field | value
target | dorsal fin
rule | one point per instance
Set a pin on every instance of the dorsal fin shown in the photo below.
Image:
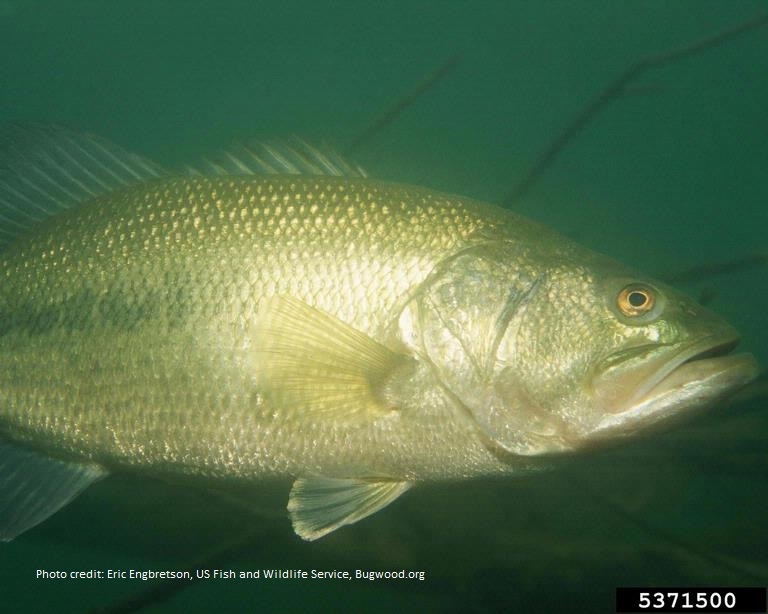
(47, 169)
(291, 157)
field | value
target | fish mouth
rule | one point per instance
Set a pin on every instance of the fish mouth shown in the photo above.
(696, 377)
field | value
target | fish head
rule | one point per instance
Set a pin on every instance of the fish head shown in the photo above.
(554, 351)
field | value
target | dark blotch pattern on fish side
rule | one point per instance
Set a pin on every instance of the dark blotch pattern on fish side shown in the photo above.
(122, 309)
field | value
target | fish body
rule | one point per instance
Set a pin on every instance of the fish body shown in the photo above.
(353, 335)
(141, 305)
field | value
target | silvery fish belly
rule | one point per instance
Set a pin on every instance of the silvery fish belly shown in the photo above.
(280, 314)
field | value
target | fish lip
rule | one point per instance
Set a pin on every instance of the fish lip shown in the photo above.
(699, 375)
(709, 346)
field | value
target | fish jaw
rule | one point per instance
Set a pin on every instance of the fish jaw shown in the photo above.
(695, 378)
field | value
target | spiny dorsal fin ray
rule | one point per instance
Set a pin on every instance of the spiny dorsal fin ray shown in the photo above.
(290, 157)
(309, 361)
(319, 505)
(45, 170)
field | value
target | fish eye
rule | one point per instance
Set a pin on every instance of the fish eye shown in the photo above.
(636, 300)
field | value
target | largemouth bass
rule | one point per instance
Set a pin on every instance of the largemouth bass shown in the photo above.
(281, 315)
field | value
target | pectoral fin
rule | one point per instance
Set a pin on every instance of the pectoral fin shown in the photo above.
(308, 360)
(319, 505)
(34, 486)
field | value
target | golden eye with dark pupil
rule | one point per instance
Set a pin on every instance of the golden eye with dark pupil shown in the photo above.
(635, 300)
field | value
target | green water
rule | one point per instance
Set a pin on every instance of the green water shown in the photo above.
(668, 178)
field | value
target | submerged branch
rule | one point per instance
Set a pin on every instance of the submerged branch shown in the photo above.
(160, 591)
(400, 105)
(617, 88)
(700, 272)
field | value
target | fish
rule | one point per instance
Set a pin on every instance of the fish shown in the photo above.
(276, 313)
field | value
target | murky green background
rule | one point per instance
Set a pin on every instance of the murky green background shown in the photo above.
(670, 177)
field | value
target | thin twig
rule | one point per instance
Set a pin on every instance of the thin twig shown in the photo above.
(388, 116)
(160, 591)
(747, 262)
(618, 88)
